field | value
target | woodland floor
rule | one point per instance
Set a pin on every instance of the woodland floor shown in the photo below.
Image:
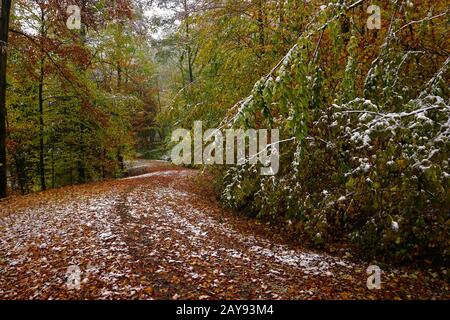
(163, 235)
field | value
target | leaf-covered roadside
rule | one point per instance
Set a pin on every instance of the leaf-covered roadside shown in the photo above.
(163, 235)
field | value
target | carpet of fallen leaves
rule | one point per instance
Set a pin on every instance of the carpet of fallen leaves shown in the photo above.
(163, 235)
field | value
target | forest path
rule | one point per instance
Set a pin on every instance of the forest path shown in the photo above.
(163, 235)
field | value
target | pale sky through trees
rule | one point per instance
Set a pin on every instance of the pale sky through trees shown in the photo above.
(159, 13)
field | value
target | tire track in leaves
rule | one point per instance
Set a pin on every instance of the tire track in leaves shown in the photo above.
(188, 253)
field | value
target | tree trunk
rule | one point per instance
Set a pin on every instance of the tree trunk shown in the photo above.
(103, 164)
(81, 163)
(120, 160)
(280, 15)
(158, 94)
(53, 169)
(119, 76)
(261, 26)
(20, 175)
(188, 45)
(41, 106)
(4, 27)
(41, 127)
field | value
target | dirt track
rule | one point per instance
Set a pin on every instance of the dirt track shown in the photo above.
(163, 235)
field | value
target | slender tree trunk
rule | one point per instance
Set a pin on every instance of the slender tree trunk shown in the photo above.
(182, 70)
(159, 94)
(103, 164)
(19, 170)
(4, 27)
(188, 45)
(81, 163)
(53, 169)
(41, 105)
(119, 76)
(119, 87)
(280, 14)
(261, 25)
(120, 160)
(41, 126)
